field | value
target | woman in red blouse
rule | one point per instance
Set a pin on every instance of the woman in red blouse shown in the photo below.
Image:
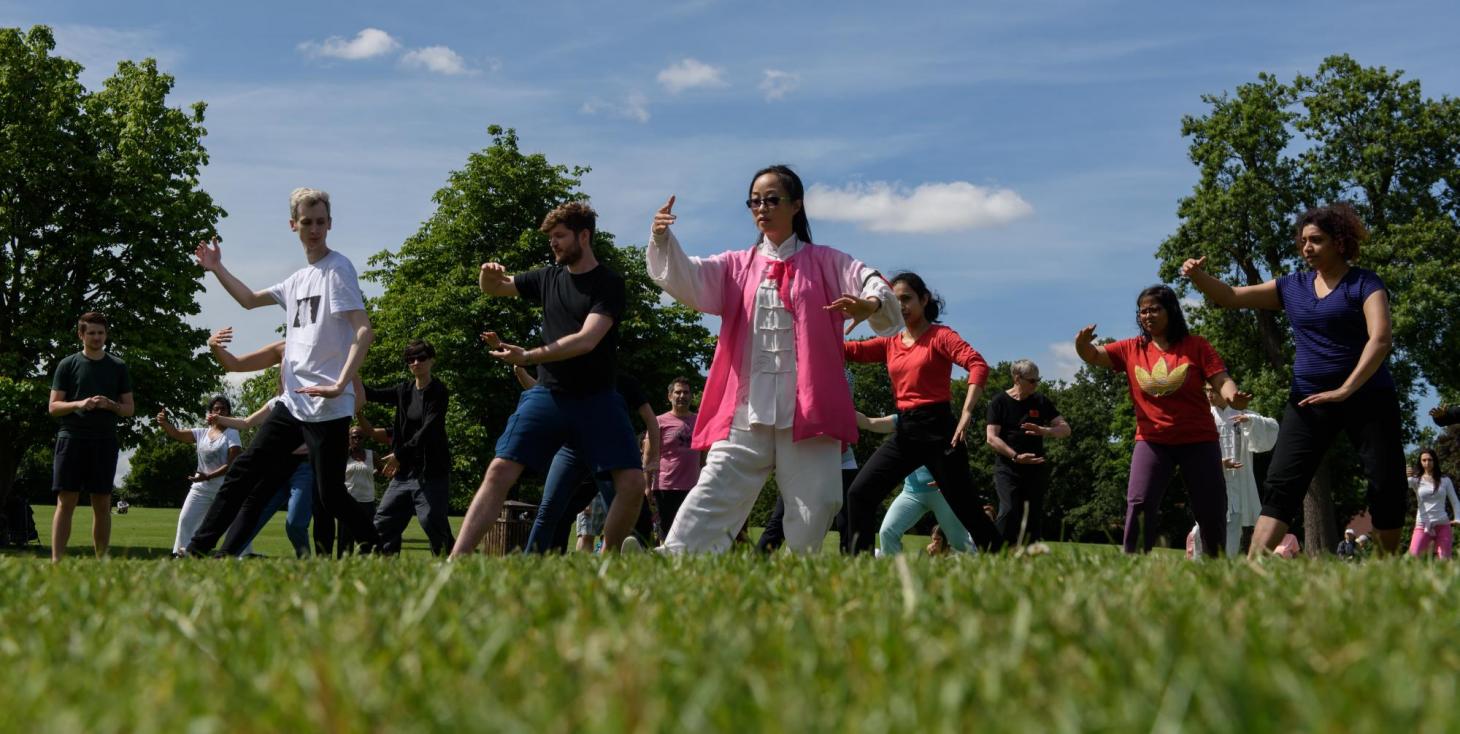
(1166, 367)
(920, 362)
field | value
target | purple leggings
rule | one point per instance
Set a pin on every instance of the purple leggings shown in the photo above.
(1151, 465)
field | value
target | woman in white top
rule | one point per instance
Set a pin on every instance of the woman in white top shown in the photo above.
(217, 448)
(1431, 525)
(360, 470)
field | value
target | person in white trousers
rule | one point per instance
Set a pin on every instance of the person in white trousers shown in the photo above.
(217, 448)
(1242, 433)
(776, 397)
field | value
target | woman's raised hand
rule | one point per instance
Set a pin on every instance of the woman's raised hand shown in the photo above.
(664, 217)
(1193, 263)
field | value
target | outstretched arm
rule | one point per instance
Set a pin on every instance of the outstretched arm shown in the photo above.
(494, 281)
(172, 431)
(254, 361)
(210, 257)
(1264, 295)
(578, 343)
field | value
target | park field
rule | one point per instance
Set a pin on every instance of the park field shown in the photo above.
(1083, 639)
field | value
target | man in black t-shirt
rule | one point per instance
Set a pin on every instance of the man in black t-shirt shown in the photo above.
(89, 391)
(1019, 419)
(574, 402)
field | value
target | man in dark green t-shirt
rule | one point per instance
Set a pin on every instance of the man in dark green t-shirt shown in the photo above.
(89, 391)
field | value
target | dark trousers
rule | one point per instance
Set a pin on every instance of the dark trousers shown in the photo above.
(1017, 487)
(257, 473)
(924, 437)
(774, 535)
(667, 502)
(1372, 423)
(427, 500)
(1151, 467)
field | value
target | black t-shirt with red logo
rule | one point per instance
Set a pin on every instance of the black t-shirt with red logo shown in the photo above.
(1009, 414)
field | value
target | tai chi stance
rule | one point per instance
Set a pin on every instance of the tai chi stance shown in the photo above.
(1339, 315)
(1242, 434)
(217, 448)
(1019, 419)
(1431, 526)
(776, 396)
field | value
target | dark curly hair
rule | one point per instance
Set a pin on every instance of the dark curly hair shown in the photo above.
(1338, 220)
(575, 215)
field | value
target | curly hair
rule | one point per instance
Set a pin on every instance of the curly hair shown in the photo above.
(575, 215)
(1338, 220)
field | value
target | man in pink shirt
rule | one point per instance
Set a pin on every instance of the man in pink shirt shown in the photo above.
(679, 463)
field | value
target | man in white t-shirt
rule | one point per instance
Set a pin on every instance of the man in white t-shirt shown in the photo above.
(326, 336)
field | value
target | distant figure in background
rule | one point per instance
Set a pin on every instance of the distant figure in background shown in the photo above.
(90, 390)
(1019, 419)
(1348, 548)
(419, 464)
(679, 464)
(217, 447)
(1242, 434)
(938, 544)
(1431, 526)
(590, 524)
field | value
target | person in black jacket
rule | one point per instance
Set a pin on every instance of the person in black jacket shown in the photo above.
(420, 465)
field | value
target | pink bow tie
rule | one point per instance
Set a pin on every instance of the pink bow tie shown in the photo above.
(782, 272)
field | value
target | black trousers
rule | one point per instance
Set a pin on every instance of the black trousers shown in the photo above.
(1372, 423)
(256, 475)
(775, 532)
(427, 500)
(924, 437)
(668, 501)
(1016, 486)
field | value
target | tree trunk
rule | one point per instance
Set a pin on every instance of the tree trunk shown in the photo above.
(1320, 527)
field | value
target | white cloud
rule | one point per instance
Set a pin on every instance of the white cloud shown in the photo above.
(776, 84)
(437, 59)
(633, 107)
(931, 207)
(1063, 362)
(366, 44)
(689, 74)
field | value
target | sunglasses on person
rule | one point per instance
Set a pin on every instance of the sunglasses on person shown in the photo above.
(1031, 380)
(416, 358)
(769, 202)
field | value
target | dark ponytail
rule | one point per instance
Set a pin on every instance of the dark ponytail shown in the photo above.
(792, 184)
(935, 304)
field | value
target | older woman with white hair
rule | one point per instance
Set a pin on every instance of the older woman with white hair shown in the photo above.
(1019, 419)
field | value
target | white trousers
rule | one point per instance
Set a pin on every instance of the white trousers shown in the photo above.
(808, 473)
(195, 508)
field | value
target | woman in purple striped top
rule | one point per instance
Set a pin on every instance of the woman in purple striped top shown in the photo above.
(1341, 382)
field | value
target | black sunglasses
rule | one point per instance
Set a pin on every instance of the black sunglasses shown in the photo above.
(769, 202)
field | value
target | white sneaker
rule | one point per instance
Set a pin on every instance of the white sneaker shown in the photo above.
(631, 545)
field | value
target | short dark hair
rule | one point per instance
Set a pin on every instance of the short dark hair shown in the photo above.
(216, 399)
(915, 282)
(1340, 221)
(575, 215)
(681, 380)
(91, 317)
(419, 348)
(1176, 328)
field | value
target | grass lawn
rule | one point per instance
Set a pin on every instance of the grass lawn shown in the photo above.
(1081, 640)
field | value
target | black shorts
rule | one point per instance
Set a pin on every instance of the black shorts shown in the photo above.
(85, 465)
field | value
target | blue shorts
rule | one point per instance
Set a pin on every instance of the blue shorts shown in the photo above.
(596, 426)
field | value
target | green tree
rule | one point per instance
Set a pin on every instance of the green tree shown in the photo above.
(160, 469)
(490, 210)
(99, 208)
(1274, 149)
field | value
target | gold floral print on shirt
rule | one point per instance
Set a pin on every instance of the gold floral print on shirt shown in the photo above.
(1159, 381)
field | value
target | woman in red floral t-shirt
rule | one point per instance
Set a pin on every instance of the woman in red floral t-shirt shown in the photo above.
(1167, 367)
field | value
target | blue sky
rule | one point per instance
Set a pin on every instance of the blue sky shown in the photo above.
(1026, 158)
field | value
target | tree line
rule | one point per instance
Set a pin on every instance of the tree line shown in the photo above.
(100, 207)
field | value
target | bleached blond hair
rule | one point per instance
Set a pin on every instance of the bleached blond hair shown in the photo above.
(302, 197)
